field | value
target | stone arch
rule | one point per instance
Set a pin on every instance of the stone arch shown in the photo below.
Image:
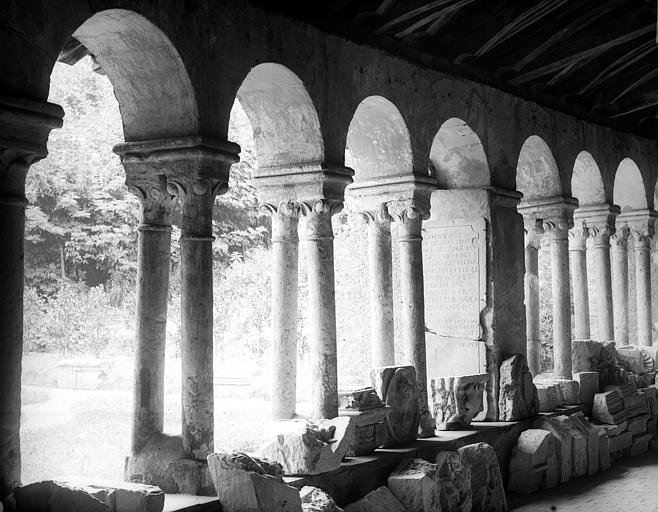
(628, 190)
(378, 141)
(586, 181)
(537, 173)
(284, 120)
(457, 157)
(155, 94)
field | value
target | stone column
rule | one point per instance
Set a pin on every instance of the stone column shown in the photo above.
(285, 290)
(319, 238)
(153, 260)
(578, 271)
(619, 256)
(380, 266)
(641, 229)
(24, 129)
(532, 245)
(409, 217)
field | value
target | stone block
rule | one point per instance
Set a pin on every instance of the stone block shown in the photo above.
(368, 414)
(591, 435)
(415, 483)
(636, 404)
(457, 400)
(379, 500)
(651, 395)
(533, 465)
(652, 426)
(518, 394)
(81, 493)
(570, 391)
(398, 388)
(249, 484)
(305, 447)
(620, 442)
(632, 359)
(486, 480)
(638, 424)
(548, 396)
(640, 444)
(455, 477)
(578, 447)
(562, 437)
(608, 407)
(604, 451)
(588, 386)
(316, 500)
(586, 355)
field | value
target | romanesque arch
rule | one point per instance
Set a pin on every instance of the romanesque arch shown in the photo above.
(586, 181)
(628, 191)
(537, 174)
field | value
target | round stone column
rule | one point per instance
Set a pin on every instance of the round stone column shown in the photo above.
(532, 245)
(601, 252)
(619, 256)
(380, 273)
(578, 271)
(285, 291)
(153, 261)
(558, 232)
(642, 250)
(319, 239)
(409, 219)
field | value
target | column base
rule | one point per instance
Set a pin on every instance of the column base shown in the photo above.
(164, 463)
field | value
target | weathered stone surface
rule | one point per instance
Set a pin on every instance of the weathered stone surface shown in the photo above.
(588, 386)
(633, 359)
(533, 465)
(569, 390)
(591, 435)
(457, 400)
(620, 442)
(455, 477)
(360, 399)
(562, 437)
(368, 413)
(578, 447)
(638, 424)
(604, 451)
(316, 500)
(640, 444)
(415, 483)
(80, 493)
(249, 484)
(608, 407)
(486, 480)
(548, 396)
(309, 448)
(398, 387)
(379, 500)
(586, 355)
(518, 394)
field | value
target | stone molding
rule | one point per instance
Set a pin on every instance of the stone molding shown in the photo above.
(555, 214)
(369, 195)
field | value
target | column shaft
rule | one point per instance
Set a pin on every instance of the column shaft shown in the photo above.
(381, 293)
(197, 320)
(285, 290)
(153, 259)
(412, 298)
(561, 304)
(532, 308)
(643, 289)
(603, 281)
(578, 271)
(619, 258)
(322, 308)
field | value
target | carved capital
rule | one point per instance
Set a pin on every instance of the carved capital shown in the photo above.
(641, 226)
(600, 234)
(599, 219)
(408, 210)
(192, 189)
(619, 240)
(157, 200)
(578, 238)
(285, 217)
(318, 216)
(533, 230)
(378, 216)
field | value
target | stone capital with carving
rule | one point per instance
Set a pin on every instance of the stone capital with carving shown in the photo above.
(599, 220)
(555, 214)
(578, 238)
(157, 199)
(318, 216)
(533, 230)
(641, 226)
(619, 240)
(284, 220)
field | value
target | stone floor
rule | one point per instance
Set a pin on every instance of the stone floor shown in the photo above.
(631, 484)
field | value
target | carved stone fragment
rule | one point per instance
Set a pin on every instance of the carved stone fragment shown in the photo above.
(548, 396)
(486, 480)
(562, 436)
(455, 479)
(398, 388)
(578, 447)
(309, 448)
(457, 400)
(588, 386)
(316, 500)
(379, 500)
(249, 484)
(533, 465)
(518, 394)
(369, 414)
(591, 435)
(415, 483)
(608, 407)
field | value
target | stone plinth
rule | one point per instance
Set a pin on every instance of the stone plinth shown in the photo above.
(415, 483)
(533, 465)
(457, 400)
(488, 492)
(398, 388)
(518, 394)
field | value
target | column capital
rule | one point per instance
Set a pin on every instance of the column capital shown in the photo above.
(505, 197)
(408, 210)
(599, 220)
(157, 199)
(318, 216)
(378, 215)
(284, 208)
(555, 214)
(640, 224)
(619, 240)
(578, 238)
(534, 230)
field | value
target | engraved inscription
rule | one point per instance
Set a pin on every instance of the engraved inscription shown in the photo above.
(454, 265)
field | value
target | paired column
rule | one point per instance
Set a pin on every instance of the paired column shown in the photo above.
(409, 218)
(532, 244)
(578, 271)
(319, 238)
(641, 228)
(285, 291)
(380, 268)
(153, 261)
(619, 256)
(600, 247)
(24, 129)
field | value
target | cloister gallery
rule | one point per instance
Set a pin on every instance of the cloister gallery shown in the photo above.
(468, 162)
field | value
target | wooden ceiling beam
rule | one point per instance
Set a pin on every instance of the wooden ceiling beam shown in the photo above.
(634, 85)
(635, 104)
(72, 52)
(409, 15)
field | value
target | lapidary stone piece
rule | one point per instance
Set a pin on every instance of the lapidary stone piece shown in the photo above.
(487, 486)
(305, 447)
(455, 477)
(562, 438)
(316, 500)
(608, 407)
(360, 399)
(245, 483)
(398, 388)
(518, 394)
(588, 386)
(415, 483)
(533, 465)
(457, 400)
(379, 500)
(578, 447)
(547, 395)
(591, 435)
(369, 414)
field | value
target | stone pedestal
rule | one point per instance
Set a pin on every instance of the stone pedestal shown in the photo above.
(619, 257)
(24, 129)
(578, 271)
(285, 291)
